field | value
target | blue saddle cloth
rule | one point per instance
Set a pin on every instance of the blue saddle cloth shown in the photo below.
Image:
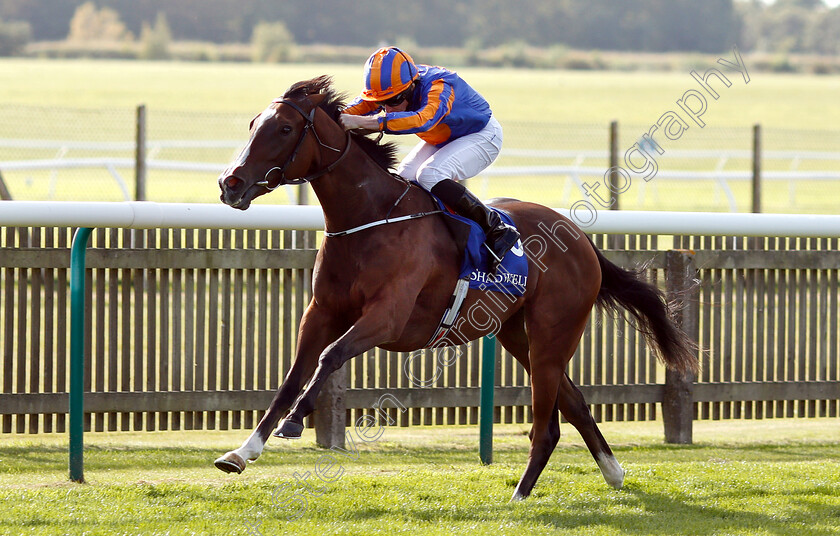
(510, 278)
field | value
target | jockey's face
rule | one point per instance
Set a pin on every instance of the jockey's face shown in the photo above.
(401, 107)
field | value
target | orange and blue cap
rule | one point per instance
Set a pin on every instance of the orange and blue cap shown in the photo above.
(388, 72)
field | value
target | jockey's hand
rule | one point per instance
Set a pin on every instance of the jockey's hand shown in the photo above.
(366, 122)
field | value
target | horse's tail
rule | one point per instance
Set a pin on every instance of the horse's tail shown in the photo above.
(629, 290)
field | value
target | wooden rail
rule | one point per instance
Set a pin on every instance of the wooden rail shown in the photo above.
(193, 329)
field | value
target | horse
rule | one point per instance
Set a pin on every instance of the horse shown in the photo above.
(388, 263)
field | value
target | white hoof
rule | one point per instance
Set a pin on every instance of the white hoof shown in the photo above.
(612, 471)
(518, 496)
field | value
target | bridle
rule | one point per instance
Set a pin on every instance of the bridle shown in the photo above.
(310, 126)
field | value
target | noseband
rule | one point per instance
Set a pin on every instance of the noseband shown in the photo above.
(310, 126)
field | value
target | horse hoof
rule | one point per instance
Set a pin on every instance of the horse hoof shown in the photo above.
(288, 430)
(617, 481)
(611, 470)
(518, 497)
(230, 463)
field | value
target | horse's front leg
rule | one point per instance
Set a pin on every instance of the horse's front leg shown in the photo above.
(317, 330)
(378, 325)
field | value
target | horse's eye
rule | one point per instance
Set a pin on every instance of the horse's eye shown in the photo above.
(286, 129)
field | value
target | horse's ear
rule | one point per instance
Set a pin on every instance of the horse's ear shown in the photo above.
(316, 99)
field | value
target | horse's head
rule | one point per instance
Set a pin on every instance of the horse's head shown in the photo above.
(282, 149)
(285, 148)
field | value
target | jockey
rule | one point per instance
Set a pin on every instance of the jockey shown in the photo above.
(459, 135)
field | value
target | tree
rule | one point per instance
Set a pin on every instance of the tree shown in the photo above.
(643, 25)
(13, 37)
(825, 36)
(92, 24)
(156, 39)
(787, 27)
(272, 42)
(805, 4)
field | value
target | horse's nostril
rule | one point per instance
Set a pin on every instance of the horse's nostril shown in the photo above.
(232, 182)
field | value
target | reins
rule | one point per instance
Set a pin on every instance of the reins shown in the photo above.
(387, 218)
(310, 126)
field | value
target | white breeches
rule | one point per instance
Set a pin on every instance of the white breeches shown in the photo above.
(457, 160)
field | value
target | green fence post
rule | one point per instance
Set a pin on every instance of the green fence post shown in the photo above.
(488, 381)
(77, 353)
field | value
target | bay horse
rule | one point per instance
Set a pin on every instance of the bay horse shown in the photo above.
(387, 285)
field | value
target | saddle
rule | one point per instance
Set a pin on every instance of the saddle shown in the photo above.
(512, 275)
(510, 278)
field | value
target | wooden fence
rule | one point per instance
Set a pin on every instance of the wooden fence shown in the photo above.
(194, 329)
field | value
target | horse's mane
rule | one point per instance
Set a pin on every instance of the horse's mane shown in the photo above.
(384, 154)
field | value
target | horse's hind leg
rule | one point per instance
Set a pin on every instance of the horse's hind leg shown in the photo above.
(570, 402)
(573, 407)
(548, 354)
(545, 432)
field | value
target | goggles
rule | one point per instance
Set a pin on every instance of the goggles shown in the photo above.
(396, 100)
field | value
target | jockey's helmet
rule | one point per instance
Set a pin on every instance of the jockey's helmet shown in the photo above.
(388, 72)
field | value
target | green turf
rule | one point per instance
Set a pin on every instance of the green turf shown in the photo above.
(781, 101)
(539, 109)
(740, 477)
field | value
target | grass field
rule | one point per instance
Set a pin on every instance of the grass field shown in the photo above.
(780, 101)
(540, 109)
(739, 478)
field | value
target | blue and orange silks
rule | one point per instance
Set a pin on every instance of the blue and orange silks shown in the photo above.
(443, 107)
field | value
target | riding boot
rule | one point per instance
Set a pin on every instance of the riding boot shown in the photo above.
(499, 236)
